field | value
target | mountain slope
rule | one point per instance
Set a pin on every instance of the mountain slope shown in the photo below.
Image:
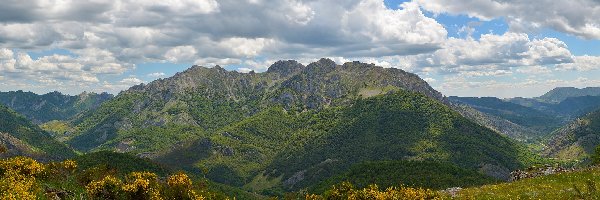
(209, 99)
(398, 126)
(576, 140)
(495, 123)
(51, 106)
(541, 122)
(279, 149)
(29, 135)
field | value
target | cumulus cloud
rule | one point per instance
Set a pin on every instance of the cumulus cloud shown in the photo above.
(577, 17)
(582, 63)
(59, 71)
(493, 55)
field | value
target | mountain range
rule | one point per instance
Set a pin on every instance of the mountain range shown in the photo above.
(295, 127)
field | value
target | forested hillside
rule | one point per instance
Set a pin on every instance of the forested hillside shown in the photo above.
(51, 106)
(22, 137)
(576, 140)
(281, 151)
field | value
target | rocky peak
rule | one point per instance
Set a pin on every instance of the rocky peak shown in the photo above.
(285, 68)
(323, 65)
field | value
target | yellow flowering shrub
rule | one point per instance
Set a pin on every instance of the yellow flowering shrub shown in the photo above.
(179, 180)
(17, 186)
(107, 188)
(19, 178)
(23, 178)
(142, 185)
(180, 187)
(59, 170)
(22, 165)
(347, 191)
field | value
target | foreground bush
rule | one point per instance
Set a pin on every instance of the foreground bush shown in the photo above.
(24, 178)
(347, 191)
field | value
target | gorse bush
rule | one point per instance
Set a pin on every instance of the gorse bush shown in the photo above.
(25, 178)
(18, 179)
(346, 191)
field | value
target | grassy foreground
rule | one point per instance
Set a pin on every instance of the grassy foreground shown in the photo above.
(583, 184)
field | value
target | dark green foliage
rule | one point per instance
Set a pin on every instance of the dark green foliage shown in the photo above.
(21, 128)
(98, 126)
(397, 126)
(120, 163)
(423, 174)
(51, 106)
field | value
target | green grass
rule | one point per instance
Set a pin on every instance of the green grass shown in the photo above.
(262, 182)
(557, 186)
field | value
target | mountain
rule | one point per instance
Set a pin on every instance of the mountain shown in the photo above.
(576, 140)
(281, 149)
(242, 129)
(561, 93)
(199, 101)
(22, 137)
(51, 106)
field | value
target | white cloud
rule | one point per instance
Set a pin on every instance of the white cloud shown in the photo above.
(582, 63)
(181, 54)
(577, 17)
(534, 70)
(157, 74)
(131, 81)
(492, 55)
(244, 70)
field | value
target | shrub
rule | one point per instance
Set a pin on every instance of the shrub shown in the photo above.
(347, 191)
(107, 188)
(142, 185)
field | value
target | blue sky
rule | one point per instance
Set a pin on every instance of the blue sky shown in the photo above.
(461, 47)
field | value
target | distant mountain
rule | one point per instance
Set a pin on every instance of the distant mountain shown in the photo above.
(533, 114)
(496, 123)
(559, 94)
(574, 107)
(291, 126)
(21, 137)
(576, 140)
(541, 122)
(51, 106)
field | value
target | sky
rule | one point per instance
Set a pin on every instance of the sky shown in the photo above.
(502, 48)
